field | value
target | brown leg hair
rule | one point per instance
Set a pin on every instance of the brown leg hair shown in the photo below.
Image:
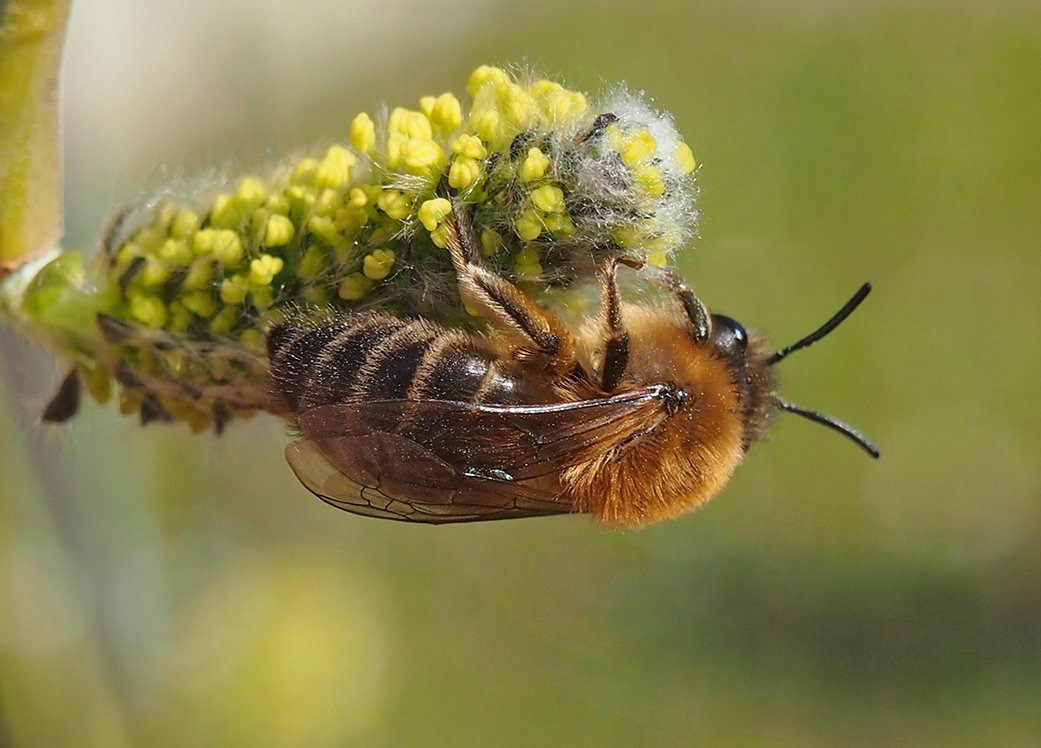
(534, 331)
(616, 339)
(696, 311)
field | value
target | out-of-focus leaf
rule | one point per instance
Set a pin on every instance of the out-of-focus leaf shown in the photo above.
(32, 33)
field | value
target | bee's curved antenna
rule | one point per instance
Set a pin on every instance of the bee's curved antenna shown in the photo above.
(824, 329)
(825, 420)
(832, 423)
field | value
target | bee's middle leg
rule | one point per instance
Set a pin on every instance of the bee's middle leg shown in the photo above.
(615, 336)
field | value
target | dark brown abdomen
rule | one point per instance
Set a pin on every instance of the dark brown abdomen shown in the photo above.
(373, 356)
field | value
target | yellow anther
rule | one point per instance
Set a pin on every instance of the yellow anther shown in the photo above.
(534, 166)
(488, 124)
(183, 224)
(176, 251)
(317, 295)
(628, 235)
(263, 269)
(227, 247)
(560, 224)
(564, 107)
(335, 169)
(657, 257)
(491, 242)
(227, 212)
(127, 253)
(233, 290)
(640, 146)
(422, 156)
(394, 203)
(98, 382)
(464, 173)
(470, 146)
(130, 401)
(252, 338)
(223, 323)
(518, 107)
(305, 172)
(154, 273)
(262, 296)
(484, 74)
(149, 310)
(301, 198)
(311, 264)
(446, 114)
(324, 227)
(526, 264)
(279, 231)
(528, 226)
(439, 236)
(353, 287)
(200, 302)
(432, 213)
(278, 203)
(357, 198)
(363, 133)
(548, 198)
(410, 124)
(348, 220)
(377, 264)
(395, 142)
(685, 156)
(250, 193)
(649, 180)
(200, 274)
(328, 202)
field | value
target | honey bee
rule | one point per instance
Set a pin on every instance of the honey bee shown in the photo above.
(639, 415)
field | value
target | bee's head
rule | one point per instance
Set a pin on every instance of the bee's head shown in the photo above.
(751, 378)
(751, 371)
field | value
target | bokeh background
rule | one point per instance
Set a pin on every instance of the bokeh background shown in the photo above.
(163, 589)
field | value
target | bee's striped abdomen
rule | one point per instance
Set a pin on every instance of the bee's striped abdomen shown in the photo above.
(375, 356)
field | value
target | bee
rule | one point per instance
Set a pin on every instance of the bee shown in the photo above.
(639, 415)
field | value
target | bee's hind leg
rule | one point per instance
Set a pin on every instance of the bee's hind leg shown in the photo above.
(532, 330)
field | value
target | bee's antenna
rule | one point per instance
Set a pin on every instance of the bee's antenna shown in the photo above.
(832, 423)
(824, 329)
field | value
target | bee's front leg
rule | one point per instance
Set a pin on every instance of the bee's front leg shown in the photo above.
(698, 315)
(532, 330)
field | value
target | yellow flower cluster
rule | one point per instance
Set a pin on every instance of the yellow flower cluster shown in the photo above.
(553, 182)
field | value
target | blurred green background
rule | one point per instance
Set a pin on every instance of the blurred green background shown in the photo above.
(162, 589)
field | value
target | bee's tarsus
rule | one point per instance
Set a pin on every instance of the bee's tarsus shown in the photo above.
(599, 124)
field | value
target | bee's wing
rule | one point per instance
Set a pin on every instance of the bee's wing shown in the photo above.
(378, 483)
(442, 461)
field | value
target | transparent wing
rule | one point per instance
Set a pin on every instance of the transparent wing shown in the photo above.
(423, 490)
(442, 461)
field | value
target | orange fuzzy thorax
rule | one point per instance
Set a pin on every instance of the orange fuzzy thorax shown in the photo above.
(689, 456)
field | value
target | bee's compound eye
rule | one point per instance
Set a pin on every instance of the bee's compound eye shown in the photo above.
(728, 336)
